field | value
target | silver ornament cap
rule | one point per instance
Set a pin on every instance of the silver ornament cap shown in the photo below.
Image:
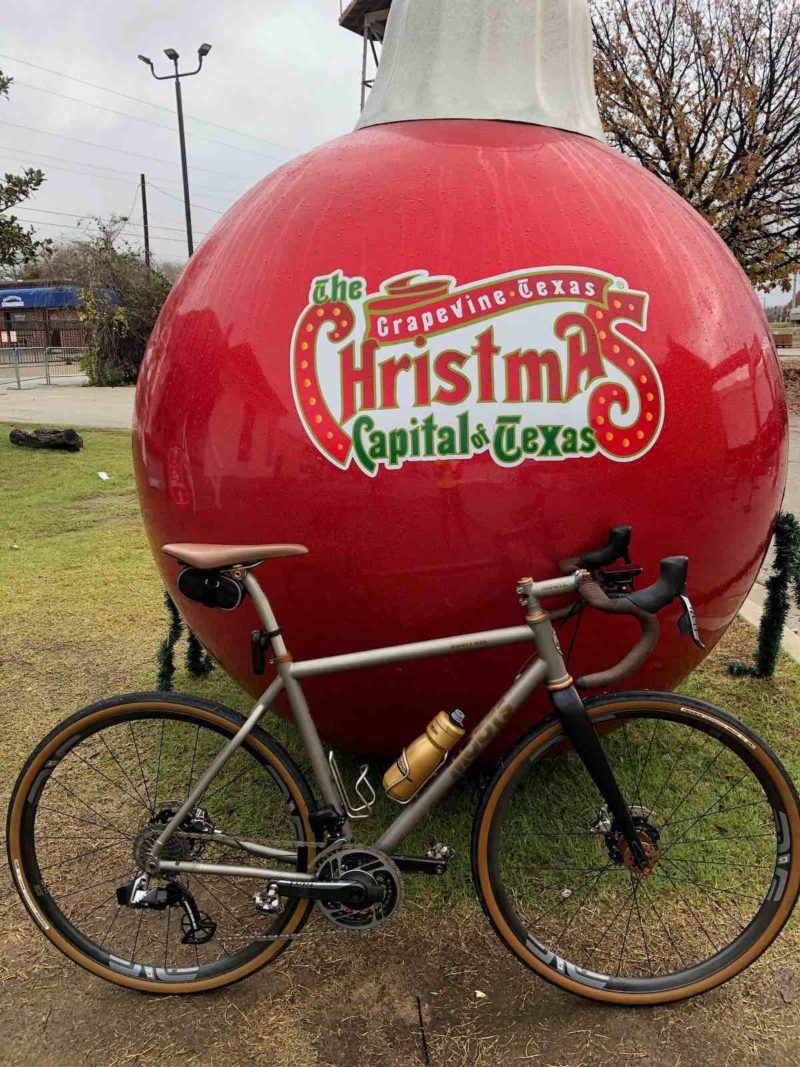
(511, 60)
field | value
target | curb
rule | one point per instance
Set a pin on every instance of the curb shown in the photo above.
(750, 611)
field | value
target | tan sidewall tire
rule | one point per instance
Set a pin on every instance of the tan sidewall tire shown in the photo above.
(208, 713)
(483, 881)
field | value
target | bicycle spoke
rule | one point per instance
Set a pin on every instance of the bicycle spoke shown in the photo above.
(636, 799)
(71, 792)
(562, 902)
(194, 759)
(80, 856)
(627, 928)
(158, 764)
(695, 902)
(141, 768)
(84, 822)
(211, 893)
(716, 903)
(689, 909)
(96, 770)
(646, 760)
(644, 935)
(607, 929)
(124, 772)
(727, 792)
(664, 927)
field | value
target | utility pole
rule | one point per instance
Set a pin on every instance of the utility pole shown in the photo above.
(173, 56)
(145, 224)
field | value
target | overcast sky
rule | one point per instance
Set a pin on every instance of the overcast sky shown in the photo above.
(281, 78)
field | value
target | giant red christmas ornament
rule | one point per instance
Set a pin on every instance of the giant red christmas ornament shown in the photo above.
(444, 353)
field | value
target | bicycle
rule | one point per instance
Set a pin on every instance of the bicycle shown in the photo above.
(636, 849)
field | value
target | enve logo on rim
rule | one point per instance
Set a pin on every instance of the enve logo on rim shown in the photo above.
(532, 365)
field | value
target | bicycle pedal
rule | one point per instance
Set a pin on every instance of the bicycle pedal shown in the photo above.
(268, 903)
(441, 853)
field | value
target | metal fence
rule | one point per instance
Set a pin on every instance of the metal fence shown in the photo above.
(49, 333)
(31, 365)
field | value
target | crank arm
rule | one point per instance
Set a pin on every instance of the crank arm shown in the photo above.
(578, 727)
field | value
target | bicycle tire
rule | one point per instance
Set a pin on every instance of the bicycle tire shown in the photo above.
(33, 889)
(609, 713)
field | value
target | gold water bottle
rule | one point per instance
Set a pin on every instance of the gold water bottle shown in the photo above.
(424, 756)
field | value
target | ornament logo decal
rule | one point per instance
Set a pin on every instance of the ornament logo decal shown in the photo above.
(534, 365)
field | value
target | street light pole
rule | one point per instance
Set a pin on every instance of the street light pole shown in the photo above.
(172, 55)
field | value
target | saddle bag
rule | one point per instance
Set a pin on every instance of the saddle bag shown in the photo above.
(212, 589)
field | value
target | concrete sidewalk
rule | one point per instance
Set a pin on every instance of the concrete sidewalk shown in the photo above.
(69, 405)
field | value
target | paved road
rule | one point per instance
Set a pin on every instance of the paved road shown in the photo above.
(69, 405)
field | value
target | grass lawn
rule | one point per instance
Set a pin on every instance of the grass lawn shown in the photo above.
(81, 617)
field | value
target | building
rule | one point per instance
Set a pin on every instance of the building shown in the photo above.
(42, 314)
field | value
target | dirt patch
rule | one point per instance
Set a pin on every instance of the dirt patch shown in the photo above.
(336, 1000)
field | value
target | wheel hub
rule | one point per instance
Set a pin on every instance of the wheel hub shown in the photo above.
(649, 835)
(179, 847)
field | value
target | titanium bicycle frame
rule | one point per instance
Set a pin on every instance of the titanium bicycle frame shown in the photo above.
(549, 668)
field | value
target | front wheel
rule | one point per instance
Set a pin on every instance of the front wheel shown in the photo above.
(717, 814)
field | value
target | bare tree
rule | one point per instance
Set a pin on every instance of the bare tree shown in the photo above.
(17, 243)
(121, 296)
(706, 95)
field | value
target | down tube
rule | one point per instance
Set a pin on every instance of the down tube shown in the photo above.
(489, 727)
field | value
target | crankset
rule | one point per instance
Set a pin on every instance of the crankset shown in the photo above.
(373, 870)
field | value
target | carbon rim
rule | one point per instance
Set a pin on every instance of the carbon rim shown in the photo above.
(97, 833)
(564, 922)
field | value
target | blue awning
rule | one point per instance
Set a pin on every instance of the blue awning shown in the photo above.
(60, 296)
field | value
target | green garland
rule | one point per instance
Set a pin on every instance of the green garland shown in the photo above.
(781, 584)
(198, 661)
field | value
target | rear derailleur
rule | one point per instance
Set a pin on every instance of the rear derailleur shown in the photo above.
(198, 927)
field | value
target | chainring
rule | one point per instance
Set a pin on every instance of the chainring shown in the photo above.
(368, 863)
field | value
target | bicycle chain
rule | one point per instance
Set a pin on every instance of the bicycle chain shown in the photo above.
(320, 846)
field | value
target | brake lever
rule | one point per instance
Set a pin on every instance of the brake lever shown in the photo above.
(687, 623)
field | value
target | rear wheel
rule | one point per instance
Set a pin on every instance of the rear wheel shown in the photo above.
(717, 814)
(95, 794)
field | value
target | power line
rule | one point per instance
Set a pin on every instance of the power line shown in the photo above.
(201, 207)
(73, 215)
(119, 151)
(71, 229)
(149, 122)
(25, 157)
(148, 103)
(129, 213)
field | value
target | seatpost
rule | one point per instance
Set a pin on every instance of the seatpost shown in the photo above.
(267, 617)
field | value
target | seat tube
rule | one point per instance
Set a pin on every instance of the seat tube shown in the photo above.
(282, 661)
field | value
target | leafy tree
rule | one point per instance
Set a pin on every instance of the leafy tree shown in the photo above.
(17, 244)
(121, 296)
(706, 95)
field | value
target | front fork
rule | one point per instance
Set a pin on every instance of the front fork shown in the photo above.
(572, 714)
